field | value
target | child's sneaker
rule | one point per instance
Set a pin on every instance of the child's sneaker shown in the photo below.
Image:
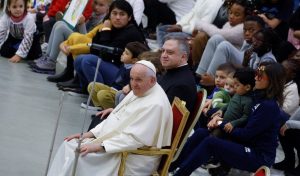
(90, 107)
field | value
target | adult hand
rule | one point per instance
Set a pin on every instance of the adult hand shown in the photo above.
(104, 113)
(15, 59)
(65, 48)
(90, 148)
(213, 123)
(174, 28)
(283, 129)
(73, 136)
(106, 24)
(77, 136)
(228, 127)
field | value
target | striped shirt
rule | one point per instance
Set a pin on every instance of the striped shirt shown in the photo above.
(23, 29)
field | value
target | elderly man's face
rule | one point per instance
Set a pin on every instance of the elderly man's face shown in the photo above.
(139, 80)
(171, 57)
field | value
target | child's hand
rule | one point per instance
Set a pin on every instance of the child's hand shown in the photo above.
(228, 127)
(126, 89)
(15, 59)
(64, 48)
(81, 19)
(218, 113)
(207, 103)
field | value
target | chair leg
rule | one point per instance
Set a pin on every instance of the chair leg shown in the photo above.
(165, 168)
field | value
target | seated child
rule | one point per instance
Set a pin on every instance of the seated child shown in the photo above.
(223, 71)
(238, 108)
(261, 50)
(103, 96)
(18, 37)
(223, 96)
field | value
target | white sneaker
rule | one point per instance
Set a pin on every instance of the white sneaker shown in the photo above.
(90, 107)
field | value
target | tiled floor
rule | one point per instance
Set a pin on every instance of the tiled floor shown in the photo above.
(28, 113)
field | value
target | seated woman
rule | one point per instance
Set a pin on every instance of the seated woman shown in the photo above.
(118, 30)
(257, 141)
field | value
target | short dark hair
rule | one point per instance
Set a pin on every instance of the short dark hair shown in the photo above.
(245, 76)
(122, 5)
(257, 19)
(227, 67)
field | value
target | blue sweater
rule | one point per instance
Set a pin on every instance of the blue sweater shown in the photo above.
(260, 133)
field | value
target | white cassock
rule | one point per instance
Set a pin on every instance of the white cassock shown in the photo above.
(136, 122)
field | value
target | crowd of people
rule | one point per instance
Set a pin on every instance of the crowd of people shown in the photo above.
(245, 53)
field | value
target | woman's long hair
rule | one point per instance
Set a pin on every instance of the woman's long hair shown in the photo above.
(276, 75)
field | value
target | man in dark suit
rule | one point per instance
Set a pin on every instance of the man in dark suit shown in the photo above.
(178, 79)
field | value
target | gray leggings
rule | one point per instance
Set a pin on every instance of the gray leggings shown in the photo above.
(60, 32)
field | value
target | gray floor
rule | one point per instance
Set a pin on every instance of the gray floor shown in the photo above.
(28, 112)
(29, 108)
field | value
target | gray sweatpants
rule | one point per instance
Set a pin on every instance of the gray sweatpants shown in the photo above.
(218, 51)
(60, 32)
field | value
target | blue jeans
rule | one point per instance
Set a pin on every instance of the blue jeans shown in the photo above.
(85, 66)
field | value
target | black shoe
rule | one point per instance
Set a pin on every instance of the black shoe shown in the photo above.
(62, 77)
(284, 165)
(66, 75)
(293, 172)
(73, 83)
(219, 171)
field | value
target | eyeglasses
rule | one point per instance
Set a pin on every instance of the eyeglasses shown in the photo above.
(260, 72)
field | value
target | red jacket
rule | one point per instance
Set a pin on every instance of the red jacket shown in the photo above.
(60, 5)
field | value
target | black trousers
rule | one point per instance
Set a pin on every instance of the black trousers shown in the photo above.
(11, 45)
(157, 13)
(47, 27)
(289, 142)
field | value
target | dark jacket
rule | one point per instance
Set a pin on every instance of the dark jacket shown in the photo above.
(260, 133)
(117, 38)
(180, 82)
